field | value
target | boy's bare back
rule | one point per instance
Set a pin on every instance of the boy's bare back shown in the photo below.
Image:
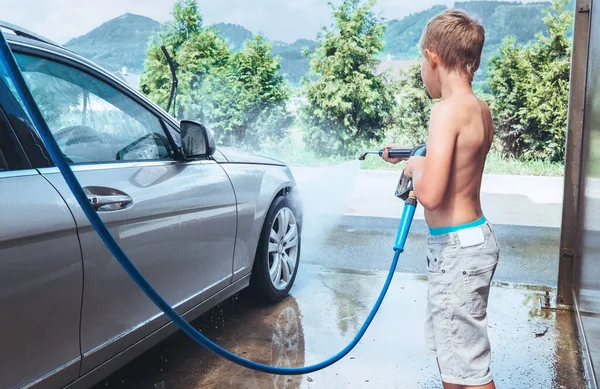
(468, 118)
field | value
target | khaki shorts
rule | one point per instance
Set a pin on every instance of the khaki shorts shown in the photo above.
(459, 287)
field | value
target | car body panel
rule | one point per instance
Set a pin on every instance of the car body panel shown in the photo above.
(239, 156)
(40, 282)
(256, 187)
(179, 232)
(151, 340)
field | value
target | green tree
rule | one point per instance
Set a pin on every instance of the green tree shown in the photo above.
(188, 22)
(348, 104)
(530, 85)
(411, 115)
(217, 104)
(204, 57)
(241, 96)
(245, 103)
(263, 92)
(155, 80)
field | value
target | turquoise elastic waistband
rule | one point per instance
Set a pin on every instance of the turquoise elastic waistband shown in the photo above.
(446, 230)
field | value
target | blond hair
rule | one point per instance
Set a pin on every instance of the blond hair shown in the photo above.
(457, 39)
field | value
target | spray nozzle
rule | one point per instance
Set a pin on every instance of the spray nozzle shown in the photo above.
(394, 153)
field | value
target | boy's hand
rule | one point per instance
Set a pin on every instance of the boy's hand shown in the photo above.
(386, 154)
(414, 166)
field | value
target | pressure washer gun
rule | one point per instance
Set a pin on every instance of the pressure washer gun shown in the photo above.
(404, 191)
(405, 184)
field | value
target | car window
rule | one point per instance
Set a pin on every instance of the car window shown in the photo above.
(3, 125)
(8, 97)
(8, 81)
(92, 121)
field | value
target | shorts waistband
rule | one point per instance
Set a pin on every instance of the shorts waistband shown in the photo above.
(434, 231)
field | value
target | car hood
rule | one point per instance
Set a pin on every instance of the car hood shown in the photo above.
(238, 156)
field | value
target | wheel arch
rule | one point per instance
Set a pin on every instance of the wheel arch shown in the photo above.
(286, 190)
(257, 187)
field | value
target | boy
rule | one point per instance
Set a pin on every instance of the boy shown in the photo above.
(462, 250)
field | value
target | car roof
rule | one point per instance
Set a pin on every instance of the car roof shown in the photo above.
(20, 31)
(18, 36)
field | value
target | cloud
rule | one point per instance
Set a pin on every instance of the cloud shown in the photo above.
(303, 4)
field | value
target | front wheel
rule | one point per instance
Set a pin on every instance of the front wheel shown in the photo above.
(278, 252)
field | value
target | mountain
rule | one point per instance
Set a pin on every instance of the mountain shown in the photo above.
(234, 34)
(402, 36)
(294, 65)
(119, 42)
(123, 41)
(499, 18)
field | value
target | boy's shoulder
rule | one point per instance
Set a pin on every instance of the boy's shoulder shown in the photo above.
(459, 109)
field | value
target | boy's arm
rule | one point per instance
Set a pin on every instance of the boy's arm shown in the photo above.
(431, 174)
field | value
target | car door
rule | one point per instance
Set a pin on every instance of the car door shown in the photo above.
(176, 224)
(40, 265)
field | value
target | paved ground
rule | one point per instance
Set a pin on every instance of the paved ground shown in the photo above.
(322, 315)
(529, 255)
(350, 227)
(352, 218)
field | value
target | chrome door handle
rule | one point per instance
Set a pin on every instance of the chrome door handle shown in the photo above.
(100, 201)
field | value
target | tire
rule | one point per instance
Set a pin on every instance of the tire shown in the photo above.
(278, 252)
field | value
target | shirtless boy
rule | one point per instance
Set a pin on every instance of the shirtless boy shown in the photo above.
(462, 249)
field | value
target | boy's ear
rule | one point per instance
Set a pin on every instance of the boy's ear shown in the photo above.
(433, 58)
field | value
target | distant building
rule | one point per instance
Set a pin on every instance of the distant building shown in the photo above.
(394, 66)
(130, 78)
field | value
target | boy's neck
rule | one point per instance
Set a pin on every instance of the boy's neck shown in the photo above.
(453, 84)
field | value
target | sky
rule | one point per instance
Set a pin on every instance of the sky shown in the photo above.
(284, 20)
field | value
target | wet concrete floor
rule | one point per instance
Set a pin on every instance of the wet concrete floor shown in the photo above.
(351, 220)
(528, 255)
(532, 347)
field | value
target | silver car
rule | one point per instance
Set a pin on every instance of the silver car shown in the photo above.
(201, 223)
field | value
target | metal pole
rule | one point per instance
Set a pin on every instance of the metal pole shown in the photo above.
(575, 127)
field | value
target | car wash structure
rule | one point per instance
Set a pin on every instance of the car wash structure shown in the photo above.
(579, 266)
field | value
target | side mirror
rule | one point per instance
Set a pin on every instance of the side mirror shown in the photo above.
(197, 140)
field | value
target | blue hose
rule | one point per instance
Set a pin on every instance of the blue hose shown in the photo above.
(58, 158)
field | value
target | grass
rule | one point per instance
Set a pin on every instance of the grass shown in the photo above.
(294, 153)
(495, 164)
